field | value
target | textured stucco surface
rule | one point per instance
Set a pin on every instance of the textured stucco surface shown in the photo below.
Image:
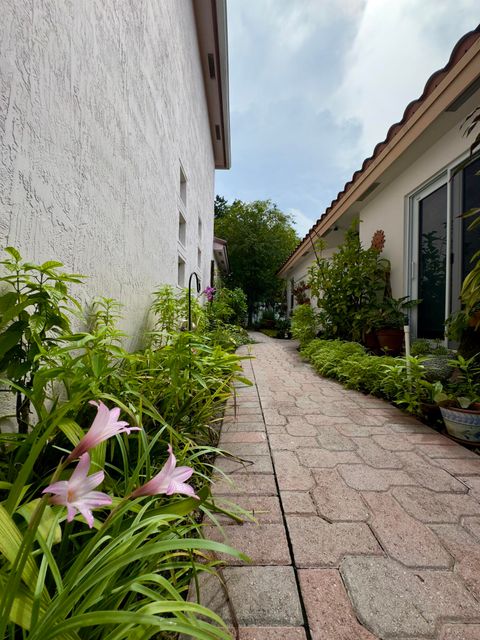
(100, 103)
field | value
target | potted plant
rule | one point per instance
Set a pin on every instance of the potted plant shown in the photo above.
(388, 320)
(461, 408)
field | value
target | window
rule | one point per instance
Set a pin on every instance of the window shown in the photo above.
(182, 229)
(199, 258)
(183, 186)
(441, 246)
(181, 272)
(199, 228)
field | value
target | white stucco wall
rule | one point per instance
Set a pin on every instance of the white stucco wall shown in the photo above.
(299, 272)
(100, 102)
(388, 208)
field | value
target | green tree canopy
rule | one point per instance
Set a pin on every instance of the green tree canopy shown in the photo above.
(260, 237)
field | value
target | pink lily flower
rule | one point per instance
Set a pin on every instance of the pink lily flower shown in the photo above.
(170, 480)
(105, 425)
(76, 494)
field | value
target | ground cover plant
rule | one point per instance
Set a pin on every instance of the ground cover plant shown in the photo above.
(104, 481)
(411, 383)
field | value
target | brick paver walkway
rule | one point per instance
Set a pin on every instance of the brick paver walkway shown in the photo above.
(368, 522)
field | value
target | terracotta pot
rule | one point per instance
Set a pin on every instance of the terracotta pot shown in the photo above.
(463, 424)
(474, 319)
(390, 340)
(370, 340)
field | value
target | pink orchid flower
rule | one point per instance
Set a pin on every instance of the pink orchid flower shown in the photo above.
(169, 480)
(105, 425)
(76, 494)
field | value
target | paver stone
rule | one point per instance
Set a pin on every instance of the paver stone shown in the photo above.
(335, 500)
(404, 538)
(260, 596)
(329, 611)
(317, 543)
(393, 601)
(264, 544)
(430, 507)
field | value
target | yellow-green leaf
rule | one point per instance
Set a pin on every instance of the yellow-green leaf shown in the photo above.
(48, 520)
(10, 542)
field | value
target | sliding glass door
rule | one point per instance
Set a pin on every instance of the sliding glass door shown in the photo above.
(441, 246)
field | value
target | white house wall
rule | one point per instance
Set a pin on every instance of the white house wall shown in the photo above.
(100, 104)
(388, 208)
(299, 272)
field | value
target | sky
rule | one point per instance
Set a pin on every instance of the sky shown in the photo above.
(316, 84)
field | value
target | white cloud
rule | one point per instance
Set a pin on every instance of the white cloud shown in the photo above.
(315, 84)
(397, 47)
(302, 222)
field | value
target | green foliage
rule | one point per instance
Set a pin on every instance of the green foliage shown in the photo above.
(170, 309)
(128, 576)
(283, 327)
(34, 310)
(424, 347)
(229, 306)
(304, 324)
(260, 237)
(229, 336)
(400, 380)
(348, 287)
(389, 313)
(464, 387)
(405, 381)
(470, 292)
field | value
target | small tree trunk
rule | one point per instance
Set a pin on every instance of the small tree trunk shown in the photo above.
(23, 413)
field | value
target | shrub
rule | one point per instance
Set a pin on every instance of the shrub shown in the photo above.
(228, 306)
(347, 287)
(304, 324)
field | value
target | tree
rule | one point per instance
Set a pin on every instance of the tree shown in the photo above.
(260, 237)
(220, 207)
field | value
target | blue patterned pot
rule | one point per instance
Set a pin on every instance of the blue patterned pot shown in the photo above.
(463, 424)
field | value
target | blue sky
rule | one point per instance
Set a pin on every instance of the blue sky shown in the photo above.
(315, 84)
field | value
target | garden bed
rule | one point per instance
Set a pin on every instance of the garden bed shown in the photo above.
(78, 563)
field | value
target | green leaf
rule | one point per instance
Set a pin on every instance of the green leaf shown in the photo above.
(14, 253)
(10, 542)
(36, 322)
(14, 311)
(21, 610)
(11, 337)
(50, 264)
(7, 301)
(72, 430)
(48, 520)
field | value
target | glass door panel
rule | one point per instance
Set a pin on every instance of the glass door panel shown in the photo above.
(432, 241)
(471, 200)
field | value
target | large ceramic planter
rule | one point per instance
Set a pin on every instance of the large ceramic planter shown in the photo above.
(390, 340)
(463, 424)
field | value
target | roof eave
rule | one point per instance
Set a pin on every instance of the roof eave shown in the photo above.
(212, 34)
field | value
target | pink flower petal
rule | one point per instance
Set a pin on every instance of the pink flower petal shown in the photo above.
(105, 425)
(76, 493)
(169, 480)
